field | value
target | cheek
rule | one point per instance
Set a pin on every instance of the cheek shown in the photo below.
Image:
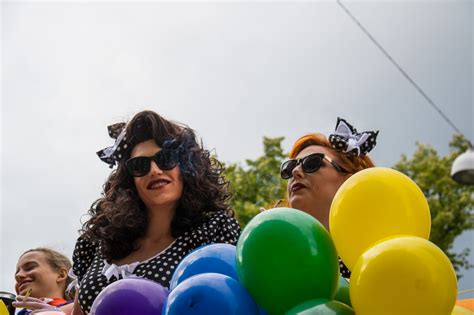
(180, 186)
(139, 185)
(136, 181)
(288, 185)
(178, 178)
(334, 187)
(316, 184)
(324, 187)
(39, 273)
(47, 276)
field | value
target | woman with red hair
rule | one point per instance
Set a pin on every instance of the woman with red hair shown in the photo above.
(318, 166)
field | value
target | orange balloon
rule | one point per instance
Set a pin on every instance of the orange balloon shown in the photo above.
(458, 310)
(466, 303)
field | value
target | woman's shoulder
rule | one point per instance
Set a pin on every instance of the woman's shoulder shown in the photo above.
(218, 227)
(217, 219)
(85, 248)
(83, 255)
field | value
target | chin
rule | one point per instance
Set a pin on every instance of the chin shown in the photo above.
(305, 208)
(297, 203)
(162, 202)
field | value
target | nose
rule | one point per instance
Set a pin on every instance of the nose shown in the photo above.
(297, 171)
(19, 276)
(154, 169)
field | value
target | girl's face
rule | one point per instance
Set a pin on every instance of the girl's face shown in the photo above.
(313, 192)
(158, 187)
(34, 272)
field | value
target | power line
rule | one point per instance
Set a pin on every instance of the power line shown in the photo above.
(405, 74)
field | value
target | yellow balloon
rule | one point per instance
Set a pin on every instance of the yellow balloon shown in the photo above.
(374, 204)
(3, 308)
(458, 310)
(403, 275)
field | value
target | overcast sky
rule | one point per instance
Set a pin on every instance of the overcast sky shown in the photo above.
(234, 72)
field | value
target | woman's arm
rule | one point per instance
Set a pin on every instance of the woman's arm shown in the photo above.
(68, 308)
(72, 308)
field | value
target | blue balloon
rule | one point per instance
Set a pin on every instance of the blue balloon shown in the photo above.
(210, 293)
(130, 296)
(216, 258)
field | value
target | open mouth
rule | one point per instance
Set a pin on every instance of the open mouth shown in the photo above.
(157, 183)
(297, 186)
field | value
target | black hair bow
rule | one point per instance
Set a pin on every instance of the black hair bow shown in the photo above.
(113, 154)
(346, 139)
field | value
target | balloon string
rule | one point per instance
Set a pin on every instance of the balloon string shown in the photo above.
(466, 291)
(274, 206)
(277, 203)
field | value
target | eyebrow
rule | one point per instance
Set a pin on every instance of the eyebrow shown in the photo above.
(145, 155)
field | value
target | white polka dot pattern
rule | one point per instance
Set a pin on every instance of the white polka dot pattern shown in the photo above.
(88, 262)
(343, 270)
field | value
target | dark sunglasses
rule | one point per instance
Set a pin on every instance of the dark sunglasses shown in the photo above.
(309, 164)
(140, 166)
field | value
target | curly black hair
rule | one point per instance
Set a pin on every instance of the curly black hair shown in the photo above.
(119, 218)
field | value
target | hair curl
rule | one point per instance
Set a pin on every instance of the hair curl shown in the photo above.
(119, 218)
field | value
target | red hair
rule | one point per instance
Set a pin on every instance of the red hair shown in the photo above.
(352, 164)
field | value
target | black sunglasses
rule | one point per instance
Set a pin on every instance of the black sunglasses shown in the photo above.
(309, 164)
(140, 166)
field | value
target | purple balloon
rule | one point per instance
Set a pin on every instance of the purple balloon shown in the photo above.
(130, 296)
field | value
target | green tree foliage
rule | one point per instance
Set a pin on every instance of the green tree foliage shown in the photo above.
(258, 184)
(451, 204)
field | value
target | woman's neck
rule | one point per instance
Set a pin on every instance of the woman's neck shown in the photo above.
(159, 223)
(157, 238)
(56, 294)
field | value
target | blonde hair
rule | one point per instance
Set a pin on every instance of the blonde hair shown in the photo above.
(56, 261)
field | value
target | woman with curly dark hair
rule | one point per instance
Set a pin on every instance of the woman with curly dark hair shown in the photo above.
(166, 198)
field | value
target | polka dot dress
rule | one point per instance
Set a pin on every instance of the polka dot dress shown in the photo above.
(88, 262)
(343, 270)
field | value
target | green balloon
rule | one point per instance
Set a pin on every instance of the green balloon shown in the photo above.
(321, 307)
(342, 292)
(286, 257)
